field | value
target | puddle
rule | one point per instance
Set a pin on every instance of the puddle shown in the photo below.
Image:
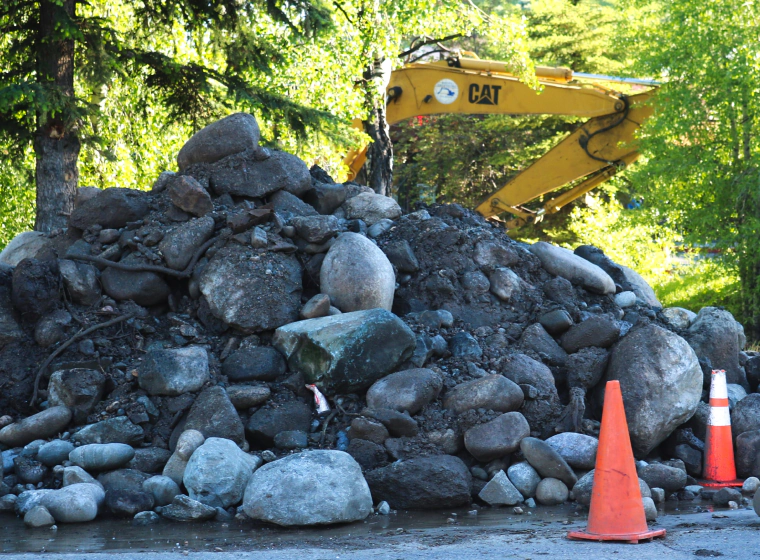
(110, 534)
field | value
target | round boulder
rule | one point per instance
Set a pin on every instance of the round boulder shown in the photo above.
(357, 275)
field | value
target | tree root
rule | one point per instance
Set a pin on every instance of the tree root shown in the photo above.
(68, 343)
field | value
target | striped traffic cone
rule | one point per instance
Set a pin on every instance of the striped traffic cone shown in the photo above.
(719, 469)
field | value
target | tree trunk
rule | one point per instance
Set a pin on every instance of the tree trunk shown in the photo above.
(56, 143)
(380, 154)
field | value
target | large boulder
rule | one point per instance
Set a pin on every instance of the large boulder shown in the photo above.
(111, 208)
(233, 134)
(246, 174)
(347, 352)
(442, 481)
(311, 488)
(357, 275)
(661, 382)
(26, 245)
(715, 335)
(218, 473)
(74, 504)
(562, 262)
(408, 390)
(250, 291)
(174, 371)
(745, 417)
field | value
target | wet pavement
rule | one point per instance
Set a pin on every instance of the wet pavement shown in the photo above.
(457, 534)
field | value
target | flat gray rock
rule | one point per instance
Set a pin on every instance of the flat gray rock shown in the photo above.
(562, 262)
(174, 371)
(407, 390)
(500, 492)
(579, 450)
(42, 425)
(547, 462)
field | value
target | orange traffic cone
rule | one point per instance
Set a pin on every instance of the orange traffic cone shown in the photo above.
(719, 469)
(617, 513)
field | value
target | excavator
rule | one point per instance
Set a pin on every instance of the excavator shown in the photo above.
(596, 151)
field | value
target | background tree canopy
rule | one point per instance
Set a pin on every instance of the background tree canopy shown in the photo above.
(146, 74)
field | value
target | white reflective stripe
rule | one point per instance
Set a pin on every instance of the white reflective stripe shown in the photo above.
(718, 388)
(719, 416)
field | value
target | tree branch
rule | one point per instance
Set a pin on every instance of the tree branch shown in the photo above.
(429, 41)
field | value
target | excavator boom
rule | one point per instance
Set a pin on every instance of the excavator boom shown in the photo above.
(594, 152)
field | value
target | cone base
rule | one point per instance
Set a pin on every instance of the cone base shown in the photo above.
(632, 538)
(720, 484)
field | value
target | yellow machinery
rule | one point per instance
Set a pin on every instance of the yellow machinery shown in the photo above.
(593, 153)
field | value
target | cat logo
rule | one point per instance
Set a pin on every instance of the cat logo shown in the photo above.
(486, 95)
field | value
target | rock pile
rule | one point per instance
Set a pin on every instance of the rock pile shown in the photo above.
(155, 356)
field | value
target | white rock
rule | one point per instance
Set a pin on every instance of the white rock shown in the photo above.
(372, 208)
(625, 299)
(24, 246)
(678, 317)
(357, 275)
(562, 262)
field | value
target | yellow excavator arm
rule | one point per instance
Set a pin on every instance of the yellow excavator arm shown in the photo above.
(596, 151)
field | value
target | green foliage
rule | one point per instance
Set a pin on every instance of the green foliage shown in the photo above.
(16, 191)
(705, 283)
(702, 172)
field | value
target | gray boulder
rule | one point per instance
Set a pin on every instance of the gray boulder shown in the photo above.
(525, 478)
(311, 488)
(357, 275)
(601, 331)
(162, 488)
(500, 492)
(542, 409)
(79, 389)
(661, 382)
(586, 367)
(144, 288)
(244, 397)
(260, 363)
(371, 208)
(551, 492)
(174, 371)
(42, 425)
(441, 481)
(492, 392)
(38, 517)
(408, 390)
(678, 317)
(25, 245)
(246, 174)
(250, 291)
(218, 473)
(81, 281)
(748, 454)
(180, 244)
(556, 322)
(497, 438)
(504, 283)
(347, 352)
(111, 208)
(74, 504)
(578, 450)
(233, 134)
(102, 456)
(326, 198)
(547, 462)
(538, 343)
(745, 417)
(316, 229)
(114, 430)
(579, 271)
(213, 415)
(657, 475)
(266, 423)
(714, 335)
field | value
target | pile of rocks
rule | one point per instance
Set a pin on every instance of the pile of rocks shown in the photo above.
(157, 358)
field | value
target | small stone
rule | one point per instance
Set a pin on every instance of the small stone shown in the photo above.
(162, 488)
(266, 423)
(492, 392)
(259, 238)
(292, 439)
(496, 438)
(383, 508)
(41, 425)
(398, 424)
(145, 518)
(409, 390)
(318, 306)
(658, 495)
(38, 517)
(174, 371)
(77, 475)
(650, 509)
(725, 495)
(54, 452)
(260, 363)
(500, 492)
(114, 430)
(244, 397)
(128, 503)
(183, 508)
(751, 485)
(362, 428)
(625, 299)
(102, 456)
(518, 510)
(525, 478)
(546, 461)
